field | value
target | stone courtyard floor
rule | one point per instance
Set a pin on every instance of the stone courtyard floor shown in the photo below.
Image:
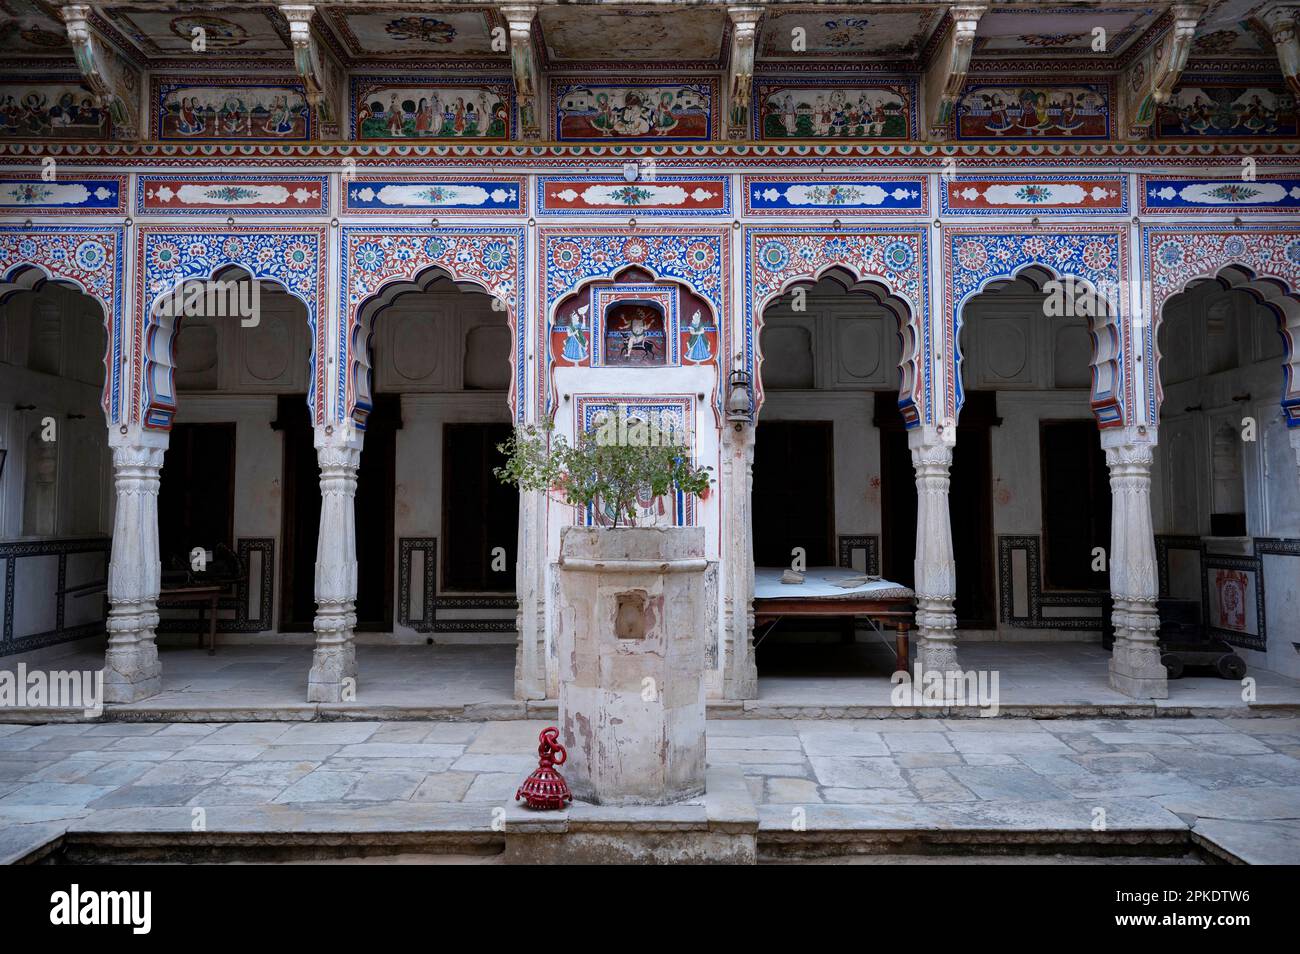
(1232, 783)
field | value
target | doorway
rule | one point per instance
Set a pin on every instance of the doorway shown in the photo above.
(480, 513)
(969, 504)
(196, 492)
(374, 516)
(794, 492)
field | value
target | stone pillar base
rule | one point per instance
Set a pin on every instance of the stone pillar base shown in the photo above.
(132, 674)
(1136, 671)
(333, 676)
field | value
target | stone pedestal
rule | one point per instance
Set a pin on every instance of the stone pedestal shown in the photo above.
(131, 667)
(632, 627)
(333, 676)
(1135, 667)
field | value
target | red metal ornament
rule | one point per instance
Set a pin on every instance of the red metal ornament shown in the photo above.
(546, 788)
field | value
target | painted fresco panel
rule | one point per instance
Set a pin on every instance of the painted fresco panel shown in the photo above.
(1040, 112)
(663, 195)
(671, 415)
(197, 109)
(414, 31)
(31, 194)
(1187, 194)
(55, 107)
(1215, 109)
(446, 195)
(672, 108)
(1031, 195)
(830, 109)
(413, 107)
(203, 194)
(835, 195)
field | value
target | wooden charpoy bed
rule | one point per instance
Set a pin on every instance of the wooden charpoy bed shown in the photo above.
(818, 596)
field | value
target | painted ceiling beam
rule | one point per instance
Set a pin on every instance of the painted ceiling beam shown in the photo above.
(523, 64)
(946, 75)
(740, 71)
(113, 82)
(1280, 18)
(321, 76)
(1165, 72)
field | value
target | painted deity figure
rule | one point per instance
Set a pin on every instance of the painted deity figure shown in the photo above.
(664, 118)
(189, 122)
(632, 118)
(279, 121)
(575, 336)
(697, 340)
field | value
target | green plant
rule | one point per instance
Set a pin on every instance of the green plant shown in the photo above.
(609, 475)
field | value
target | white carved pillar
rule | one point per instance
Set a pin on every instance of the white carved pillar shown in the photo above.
(530, 582)
(1135, 668)
(131, 668)
(333, 676)
(1295, 444)
(740, 673)
(936, 571)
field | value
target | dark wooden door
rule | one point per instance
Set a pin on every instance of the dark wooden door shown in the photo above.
(301, 516)
(196, 491)
(480, 513)
(794, 492)
(969, 504)
(1076, 504)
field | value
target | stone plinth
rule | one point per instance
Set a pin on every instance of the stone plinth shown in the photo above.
(631, 635)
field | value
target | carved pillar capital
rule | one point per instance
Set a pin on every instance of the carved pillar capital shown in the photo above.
(1280, 18)
(946, 75)
(740, 70)
(1165, 72)
(523, 65)
(113, 83)
(320, 75)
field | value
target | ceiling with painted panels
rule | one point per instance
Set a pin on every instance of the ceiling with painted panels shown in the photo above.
(372, 34)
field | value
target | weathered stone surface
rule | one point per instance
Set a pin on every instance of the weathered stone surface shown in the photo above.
(632, 624)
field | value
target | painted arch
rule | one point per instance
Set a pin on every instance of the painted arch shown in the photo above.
(167, 256)
(1262, 259)
(386, 259)
(1097, 258)
(86, 257)
(897, 258)
(571, 257)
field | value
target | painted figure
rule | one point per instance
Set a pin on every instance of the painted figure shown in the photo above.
(697, 340)
(575, 336)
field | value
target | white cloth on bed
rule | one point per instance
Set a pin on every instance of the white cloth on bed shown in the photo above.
(819, 584)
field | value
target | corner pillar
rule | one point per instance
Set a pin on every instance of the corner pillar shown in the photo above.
(936, 571)
(131, 667)
(530, 589)
(740, 672)
(333, 676)
(1135, 667)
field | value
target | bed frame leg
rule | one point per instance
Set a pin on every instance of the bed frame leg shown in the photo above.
(901, 650)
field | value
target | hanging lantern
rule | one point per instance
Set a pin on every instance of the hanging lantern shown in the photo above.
(739, 397)
(546, 788)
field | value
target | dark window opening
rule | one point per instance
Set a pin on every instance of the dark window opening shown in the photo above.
(196, 492)
(1076, 505)
(794, 492)
(479, 514)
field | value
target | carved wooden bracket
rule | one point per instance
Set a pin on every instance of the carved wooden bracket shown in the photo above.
(946, 75)
(1280, 19)
(114, 84)
(523, 63)
(321, 77)
(1165, 73)
(740, 74)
